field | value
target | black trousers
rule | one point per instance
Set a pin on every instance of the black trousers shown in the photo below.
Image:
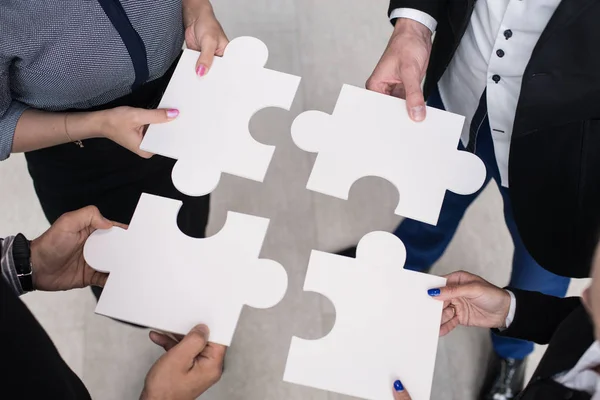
(106, 175)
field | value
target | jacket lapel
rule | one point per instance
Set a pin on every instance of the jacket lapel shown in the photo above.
(566, 13)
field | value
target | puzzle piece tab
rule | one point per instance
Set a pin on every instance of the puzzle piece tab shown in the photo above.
(211, 136)
(371, 134)
(386, 326)
(163, 279)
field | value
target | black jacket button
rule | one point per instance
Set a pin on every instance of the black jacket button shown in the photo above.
(496, 78)
(500, 53)
(508, 34)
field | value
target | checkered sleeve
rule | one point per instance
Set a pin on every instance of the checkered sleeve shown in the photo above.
(10, 112)
(9, 272)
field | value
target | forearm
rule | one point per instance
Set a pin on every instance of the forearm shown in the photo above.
(7, 264)
(38, 129)
(193, 8)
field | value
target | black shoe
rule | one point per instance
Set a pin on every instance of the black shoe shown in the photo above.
(504, 380)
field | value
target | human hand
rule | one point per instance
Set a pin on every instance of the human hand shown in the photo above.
(403, 65)
(57, 256)
(187, 369)
(203, 33)
(470, 300)
(126, 126)
(400, 393)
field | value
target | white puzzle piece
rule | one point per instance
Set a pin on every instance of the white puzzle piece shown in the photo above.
(386, 325)
(211, 134)
(163, 279)
(371, 134)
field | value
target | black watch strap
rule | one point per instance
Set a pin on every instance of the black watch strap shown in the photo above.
(22, 257)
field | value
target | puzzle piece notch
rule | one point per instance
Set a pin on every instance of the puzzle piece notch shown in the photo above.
(211, 134)
(386, 325)
(165, 280)
(370, 134)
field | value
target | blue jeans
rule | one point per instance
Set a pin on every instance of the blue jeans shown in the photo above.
(425, 243)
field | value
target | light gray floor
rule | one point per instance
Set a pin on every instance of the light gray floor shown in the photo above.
(327, 43)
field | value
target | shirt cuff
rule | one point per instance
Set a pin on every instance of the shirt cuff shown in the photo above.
(7, 264)
(8, 125)
(415, 15)
(511, 310)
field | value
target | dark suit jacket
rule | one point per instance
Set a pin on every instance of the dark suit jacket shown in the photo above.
(561, 323)
(30, 365)
(554, 165)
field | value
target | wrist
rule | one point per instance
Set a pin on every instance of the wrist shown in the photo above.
(506, 306)
(410, 26)
(192, 9)
(85, 125)
(36, 262)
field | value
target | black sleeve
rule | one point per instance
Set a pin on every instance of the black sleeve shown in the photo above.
(30, 365)
(537, 316)
(431, 7)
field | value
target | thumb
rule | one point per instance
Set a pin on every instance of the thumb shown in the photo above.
(84, 218)
(415, 102)
(158, 116)
(191, 345)
(399, 392)
(208, 49)
(451, 292)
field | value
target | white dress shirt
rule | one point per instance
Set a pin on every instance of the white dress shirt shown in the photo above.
(493, 53)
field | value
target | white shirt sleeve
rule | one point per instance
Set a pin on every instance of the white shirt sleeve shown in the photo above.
(415, 15)
(511, 310)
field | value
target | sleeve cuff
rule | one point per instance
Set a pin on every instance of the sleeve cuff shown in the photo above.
(9, 272)
(415, 15)
(8, 125)
(511, 310)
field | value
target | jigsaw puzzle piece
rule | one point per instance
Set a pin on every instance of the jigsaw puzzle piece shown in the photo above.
(371, 134)
(163, 279)
(386, 325)
(211, 135)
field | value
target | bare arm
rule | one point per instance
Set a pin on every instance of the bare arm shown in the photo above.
(38, 129)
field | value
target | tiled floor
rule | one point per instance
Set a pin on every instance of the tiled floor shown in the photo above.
(327, 43)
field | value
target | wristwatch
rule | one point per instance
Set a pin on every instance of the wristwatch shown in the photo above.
(22, 256)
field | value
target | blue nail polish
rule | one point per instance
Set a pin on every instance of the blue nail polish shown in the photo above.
(433, 292)
(398, 386)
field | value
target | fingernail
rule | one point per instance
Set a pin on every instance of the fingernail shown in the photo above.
(433, 292)
(204, 329)
(201, 70)
(398, 386)
(418, 113)
(172, 113)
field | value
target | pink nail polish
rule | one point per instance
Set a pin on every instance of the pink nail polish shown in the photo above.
(172, 113)
(201, 71)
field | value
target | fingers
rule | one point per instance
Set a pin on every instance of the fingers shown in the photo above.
(400, 393)
(98, 279)
(415, 102)
(191, 346)
(449, 326)
(448, 313)
(162, 340)
(214, 351)
(208, 48)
